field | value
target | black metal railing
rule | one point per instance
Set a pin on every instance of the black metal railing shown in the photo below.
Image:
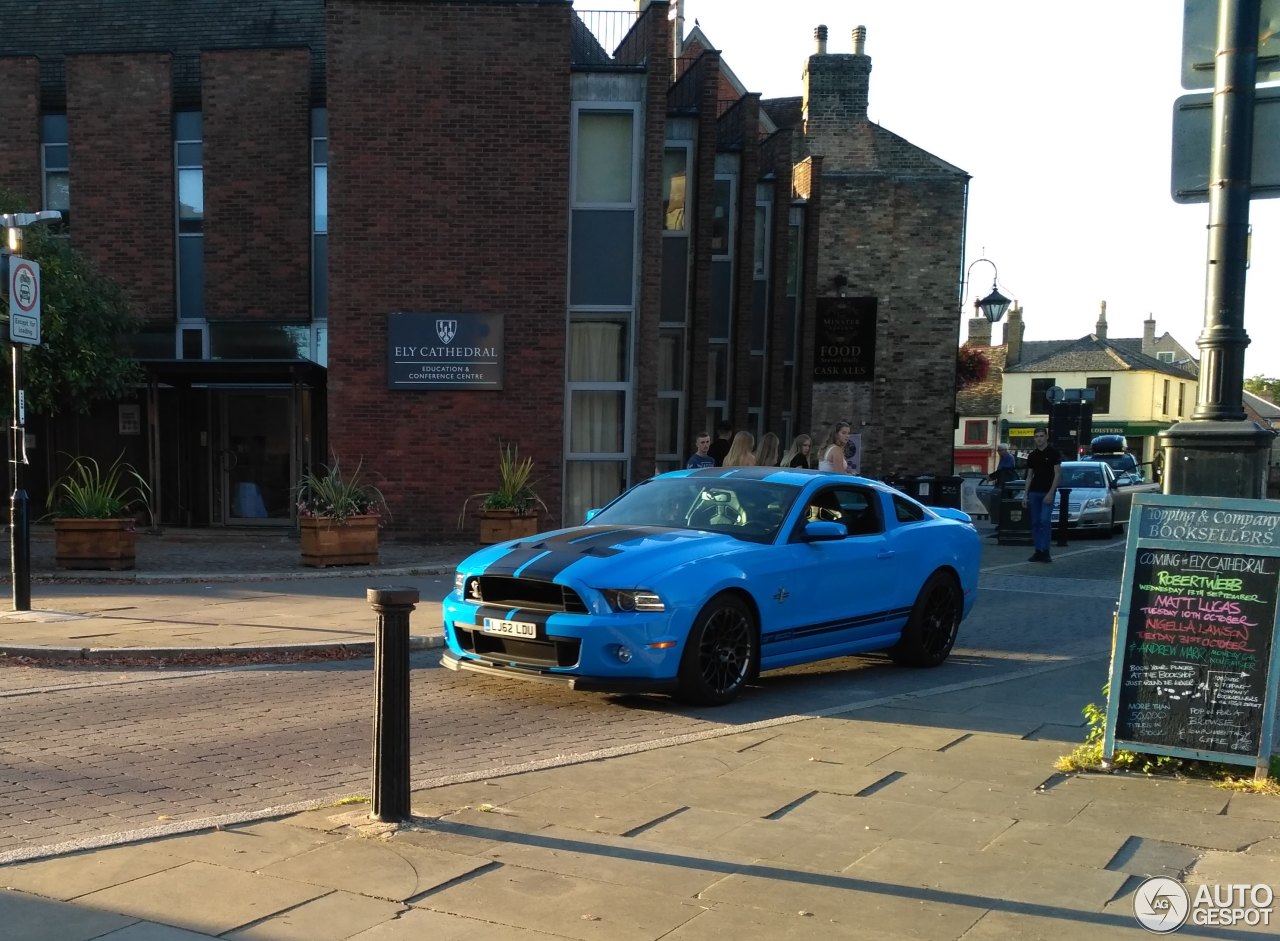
(610, 39)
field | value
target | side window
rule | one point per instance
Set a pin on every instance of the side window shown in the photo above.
(906, 511)
(855, 507)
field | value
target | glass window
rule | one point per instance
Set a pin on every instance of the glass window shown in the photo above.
(604, 158)
(675, 178)
(599, 418)
(670, 361)
(1182, 398)
(589, 485)
(55, 166)
(320, 198)
(1164, 400)
(907, 512)
(1101, 386)
(190, 200)
(722, 218)
(761, 249)
(597, 351)
(1039, 404)
(975, 432)
(1165, 356)
(668, 440)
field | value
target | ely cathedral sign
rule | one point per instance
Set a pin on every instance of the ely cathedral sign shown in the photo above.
(444, 351)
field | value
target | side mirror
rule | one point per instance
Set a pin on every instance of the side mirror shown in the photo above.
(824, 531)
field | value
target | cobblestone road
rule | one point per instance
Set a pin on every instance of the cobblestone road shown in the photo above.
(87, 754)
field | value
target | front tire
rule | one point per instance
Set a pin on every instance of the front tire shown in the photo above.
(934, 622)
(721, 654)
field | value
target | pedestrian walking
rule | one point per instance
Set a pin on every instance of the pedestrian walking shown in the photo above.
(1044, 473)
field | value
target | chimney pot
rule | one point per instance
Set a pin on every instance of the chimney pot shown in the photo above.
(859, 40)
(820, 40)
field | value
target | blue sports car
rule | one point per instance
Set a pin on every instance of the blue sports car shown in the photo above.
(694, 581)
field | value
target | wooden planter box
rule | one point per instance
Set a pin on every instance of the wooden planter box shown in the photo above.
(326, 542)
(94, 544)
(501, 525)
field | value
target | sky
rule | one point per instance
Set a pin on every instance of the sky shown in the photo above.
(1062, 114)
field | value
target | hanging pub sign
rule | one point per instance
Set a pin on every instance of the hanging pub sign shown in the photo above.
(1194, 669)
(444, 351)
(845, 340)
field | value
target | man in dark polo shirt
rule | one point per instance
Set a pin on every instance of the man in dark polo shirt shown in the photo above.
(1044, 472)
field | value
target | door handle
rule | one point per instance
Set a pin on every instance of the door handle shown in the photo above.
(886, 554)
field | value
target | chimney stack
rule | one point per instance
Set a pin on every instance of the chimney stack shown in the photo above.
(1149, 336)
(1013, 335)
(820, 40)
(859, 40)
(979, 331)
(1100, 329)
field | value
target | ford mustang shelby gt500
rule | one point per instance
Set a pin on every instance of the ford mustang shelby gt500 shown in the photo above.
(694, 581)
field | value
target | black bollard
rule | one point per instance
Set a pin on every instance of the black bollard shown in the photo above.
(391, 701)
(1063, 505)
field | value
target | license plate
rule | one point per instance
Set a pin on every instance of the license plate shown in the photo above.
(510, 628)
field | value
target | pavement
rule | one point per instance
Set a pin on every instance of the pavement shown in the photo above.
(927, 815)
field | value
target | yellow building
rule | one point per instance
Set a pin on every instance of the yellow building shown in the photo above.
(1140, 387)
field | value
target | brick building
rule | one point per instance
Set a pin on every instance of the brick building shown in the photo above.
(403, 231)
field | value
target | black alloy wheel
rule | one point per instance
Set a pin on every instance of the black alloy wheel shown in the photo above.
(931, 629)
(721, 654)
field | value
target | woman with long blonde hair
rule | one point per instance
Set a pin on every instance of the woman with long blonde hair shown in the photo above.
(767, 452)
(740, 451)
(833, 449)
(798, 454)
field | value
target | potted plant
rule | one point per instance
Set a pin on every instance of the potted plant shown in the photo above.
(510, 511)
(338, 517)
(92, 510)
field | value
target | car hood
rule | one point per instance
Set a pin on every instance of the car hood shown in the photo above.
(602, 556)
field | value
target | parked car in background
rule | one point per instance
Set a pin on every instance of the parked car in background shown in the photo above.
(694, 581)
(1113, 451)
(1100, 499)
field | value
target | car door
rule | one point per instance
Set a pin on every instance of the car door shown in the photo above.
(849, 599)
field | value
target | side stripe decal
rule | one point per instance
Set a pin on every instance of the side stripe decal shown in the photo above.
(831, 627)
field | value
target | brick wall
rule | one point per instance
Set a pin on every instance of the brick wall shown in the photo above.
(20, 141)
(449, 145)
(257, 229)
(119, 125)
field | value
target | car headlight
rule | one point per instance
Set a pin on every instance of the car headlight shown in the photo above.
(632, 599)
(1096, 503)
(458, 580)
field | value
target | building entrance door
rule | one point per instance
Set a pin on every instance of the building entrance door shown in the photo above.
(257, 461)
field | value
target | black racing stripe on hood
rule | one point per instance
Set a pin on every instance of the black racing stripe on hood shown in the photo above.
(559, 552)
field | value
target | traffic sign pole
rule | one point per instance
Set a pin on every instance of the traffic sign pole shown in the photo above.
(19, 503)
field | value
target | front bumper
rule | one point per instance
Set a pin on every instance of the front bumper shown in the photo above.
(611, 652)
(590, 684)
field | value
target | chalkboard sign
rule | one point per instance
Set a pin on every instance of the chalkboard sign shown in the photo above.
(1193, 669)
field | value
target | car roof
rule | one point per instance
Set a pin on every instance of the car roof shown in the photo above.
(795, 476)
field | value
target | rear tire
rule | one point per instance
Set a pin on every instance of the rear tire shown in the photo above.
(934, 622)
(721, 654)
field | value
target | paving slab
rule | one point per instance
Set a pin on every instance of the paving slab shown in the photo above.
(31, 918)
(860, 907)
(68, 877)
(250, 847)
(1035, 841)
(567, 906)
(333, 917)
(987, 876)
(387, 869)
(731, 922)
(201, 897)
(593, 809)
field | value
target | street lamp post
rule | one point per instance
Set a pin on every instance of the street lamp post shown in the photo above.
(994, 304)
(19, 504)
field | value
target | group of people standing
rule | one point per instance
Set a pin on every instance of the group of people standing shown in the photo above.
(730, 449)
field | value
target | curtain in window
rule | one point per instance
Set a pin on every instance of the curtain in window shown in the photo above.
(589, 485)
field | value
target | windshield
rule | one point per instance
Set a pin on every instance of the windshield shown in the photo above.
(1082, 477)
(746, 509)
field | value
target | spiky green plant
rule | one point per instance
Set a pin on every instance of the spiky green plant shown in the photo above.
(87, 491)
(330, 495)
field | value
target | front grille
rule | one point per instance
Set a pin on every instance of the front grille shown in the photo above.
(503, 591)
(534, 653)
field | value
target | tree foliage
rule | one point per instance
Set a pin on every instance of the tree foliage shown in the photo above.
(972, 367)
(1265, 387)
(84, 318)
